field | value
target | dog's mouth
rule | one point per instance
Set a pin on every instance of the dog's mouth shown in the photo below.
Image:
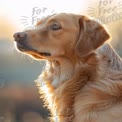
(44, 54)
(38, 55)
(29, 50)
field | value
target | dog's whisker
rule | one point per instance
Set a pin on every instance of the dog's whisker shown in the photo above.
(30, 59)
(11, 49)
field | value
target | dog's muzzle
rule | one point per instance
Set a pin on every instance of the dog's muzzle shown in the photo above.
(22, 44)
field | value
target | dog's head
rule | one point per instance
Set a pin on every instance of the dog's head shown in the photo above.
(62, 35)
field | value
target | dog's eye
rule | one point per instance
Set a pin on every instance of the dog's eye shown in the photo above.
(55, 26)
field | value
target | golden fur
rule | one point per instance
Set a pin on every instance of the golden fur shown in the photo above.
(82, 79)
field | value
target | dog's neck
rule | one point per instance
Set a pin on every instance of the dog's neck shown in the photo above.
(59, 70)
(62, 69)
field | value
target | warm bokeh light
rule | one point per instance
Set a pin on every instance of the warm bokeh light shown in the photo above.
(17, 15)
(7, 28)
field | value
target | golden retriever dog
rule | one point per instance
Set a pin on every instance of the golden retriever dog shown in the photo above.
(82, 80)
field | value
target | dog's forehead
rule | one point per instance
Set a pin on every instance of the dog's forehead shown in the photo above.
(43, 20)
(63, 17)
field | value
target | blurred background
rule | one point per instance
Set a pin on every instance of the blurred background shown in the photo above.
(19, 97)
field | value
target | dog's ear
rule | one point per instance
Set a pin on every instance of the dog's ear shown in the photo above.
(91, 35)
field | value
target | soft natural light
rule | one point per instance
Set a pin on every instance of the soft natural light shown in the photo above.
(16, 15)
(23, 14)
(17, 11)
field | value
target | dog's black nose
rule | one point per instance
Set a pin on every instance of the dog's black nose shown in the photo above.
(20, 36)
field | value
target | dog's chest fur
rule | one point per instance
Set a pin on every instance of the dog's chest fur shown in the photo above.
(62, 83)
(84, 89)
